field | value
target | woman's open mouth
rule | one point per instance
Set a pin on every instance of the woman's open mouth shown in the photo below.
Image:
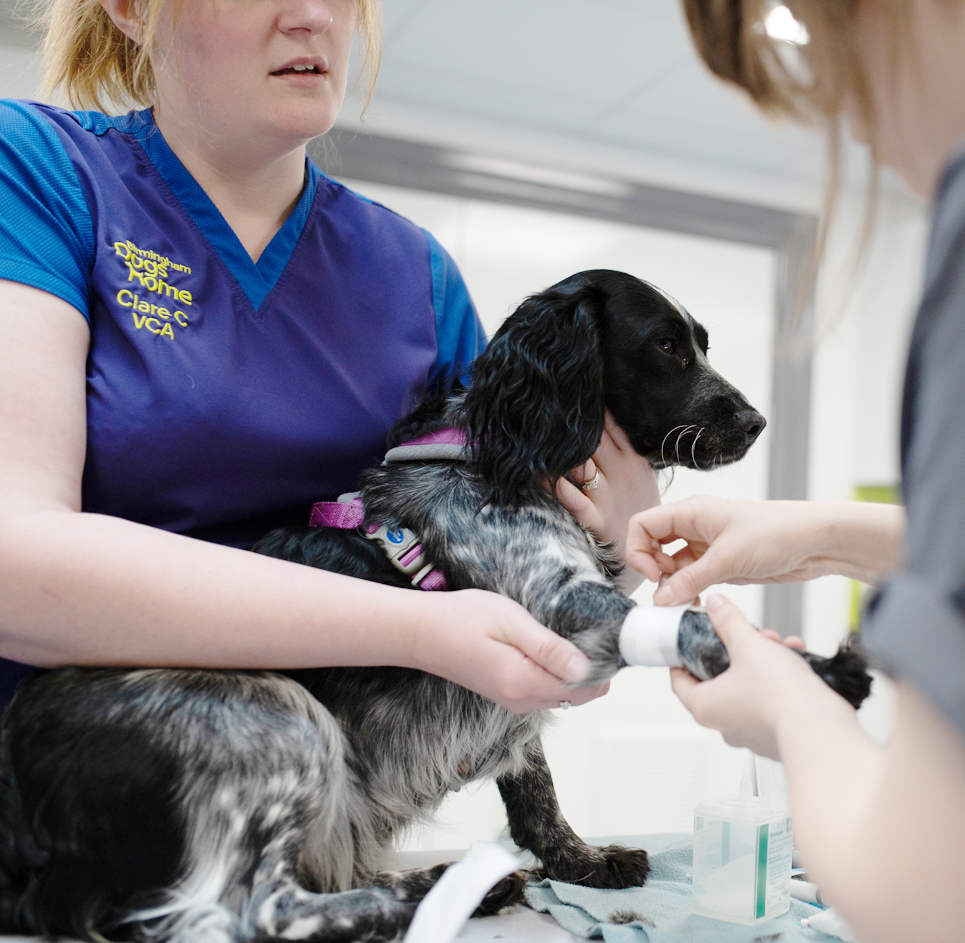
(303, 67)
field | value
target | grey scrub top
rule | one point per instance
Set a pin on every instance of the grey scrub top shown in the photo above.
(915, 625)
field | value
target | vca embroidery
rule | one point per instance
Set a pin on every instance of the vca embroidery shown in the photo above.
(149, 274)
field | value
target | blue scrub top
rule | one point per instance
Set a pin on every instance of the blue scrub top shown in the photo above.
(224, 396)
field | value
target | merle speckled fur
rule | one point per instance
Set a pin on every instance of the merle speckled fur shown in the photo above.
(212, 806)
(703, 654)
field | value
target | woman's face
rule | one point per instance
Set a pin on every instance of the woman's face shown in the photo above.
(918, 90)
(262, 68)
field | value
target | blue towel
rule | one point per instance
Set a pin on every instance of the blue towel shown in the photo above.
(659, 912)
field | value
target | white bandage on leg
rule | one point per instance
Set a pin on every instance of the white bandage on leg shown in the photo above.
(649, 636)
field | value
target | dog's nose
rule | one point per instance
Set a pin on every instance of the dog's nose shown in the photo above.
(751, 422)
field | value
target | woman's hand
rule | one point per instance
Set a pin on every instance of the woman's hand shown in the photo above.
(729, 541)
(493, 646)
(765, 686)
(627, 484)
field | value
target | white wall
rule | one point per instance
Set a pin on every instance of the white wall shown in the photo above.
(19, 71)
(858, 374)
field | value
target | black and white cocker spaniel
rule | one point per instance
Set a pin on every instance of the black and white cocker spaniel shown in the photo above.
(204, 806)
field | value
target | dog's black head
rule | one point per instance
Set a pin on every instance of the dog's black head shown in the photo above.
(595, 341)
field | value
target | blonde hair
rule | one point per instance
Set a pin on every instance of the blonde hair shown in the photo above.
(96, 66)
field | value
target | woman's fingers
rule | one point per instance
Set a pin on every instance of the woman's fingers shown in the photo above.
(551, 652)
(575, 500)
(584, 473)
(728, 621)
(684, 685)
(688, 582)
(792, 641)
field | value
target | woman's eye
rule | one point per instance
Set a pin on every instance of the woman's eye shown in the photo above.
(666, 345)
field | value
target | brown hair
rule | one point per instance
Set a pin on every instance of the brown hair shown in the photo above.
(97, 66)
(815, 82)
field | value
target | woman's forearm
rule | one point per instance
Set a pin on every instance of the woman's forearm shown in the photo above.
(93, 590)
(881, 824)
(860, 540)
(739, 541)
(89, 589)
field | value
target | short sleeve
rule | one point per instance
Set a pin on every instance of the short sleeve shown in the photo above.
(46, 232)
(459, 334)
(915, 625)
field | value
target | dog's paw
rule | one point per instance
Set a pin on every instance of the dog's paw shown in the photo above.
(510, 890)
(613, 867)
(412, 887)
(846, 673)
(409, 886)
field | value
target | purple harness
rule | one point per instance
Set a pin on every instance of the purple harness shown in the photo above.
(400, 544)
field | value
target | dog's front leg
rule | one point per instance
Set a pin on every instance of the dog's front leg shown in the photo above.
(590, 614)
(537, 824)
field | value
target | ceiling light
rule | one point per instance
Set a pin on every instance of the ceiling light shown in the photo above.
(780, 24)
(542, 176)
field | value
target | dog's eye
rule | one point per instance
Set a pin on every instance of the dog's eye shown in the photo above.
(666, 345)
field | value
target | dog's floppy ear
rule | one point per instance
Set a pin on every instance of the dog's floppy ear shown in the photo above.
(535, 409)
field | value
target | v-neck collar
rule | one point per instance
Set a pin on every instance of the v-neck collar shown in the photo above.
(256, 279)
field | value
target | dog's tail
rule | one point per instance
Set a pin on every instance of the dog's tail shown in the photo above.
(35, 897)
(69, 837)
(16, 847)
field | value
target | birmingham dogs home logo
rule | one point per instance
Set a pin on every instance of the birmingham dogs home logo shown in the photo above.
(148, 274)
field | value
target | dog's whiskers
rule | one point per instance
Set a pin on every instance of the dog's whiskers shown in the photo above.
(693, 447)
(679, 437)
(663, 458)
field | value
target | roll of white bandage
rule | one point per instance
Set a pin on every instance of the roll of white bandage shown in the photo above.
(649, 636)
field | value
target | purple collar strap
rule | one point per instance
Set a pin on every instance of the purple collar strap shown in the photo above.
(442, 445)
(401, 545)
(345, 513)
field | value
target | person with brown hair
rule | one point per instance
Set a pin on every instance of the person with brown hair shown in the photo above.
(882, 828)
(203, 334)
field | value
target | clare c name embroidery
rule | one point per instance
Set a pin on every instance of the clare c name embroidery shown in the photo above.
(148, 274)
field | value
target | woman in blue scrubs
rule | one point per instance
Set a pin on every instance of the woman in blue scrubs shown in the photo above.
(203, 334)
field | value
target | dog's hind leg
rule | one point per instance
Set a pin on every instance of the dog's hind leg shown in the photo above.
(418, 882)
(537, 824)
(279, 908)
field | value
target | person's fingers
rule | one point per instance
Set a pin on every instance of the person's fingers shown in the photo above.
(551, 652)
(684, 685)
(728, 621)
(584, 473)
(685, 584)
(792, 641)
(574, 500)
(583, 695)
(651, 562)
(658, 523)
(644, 549)
(613, 442)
